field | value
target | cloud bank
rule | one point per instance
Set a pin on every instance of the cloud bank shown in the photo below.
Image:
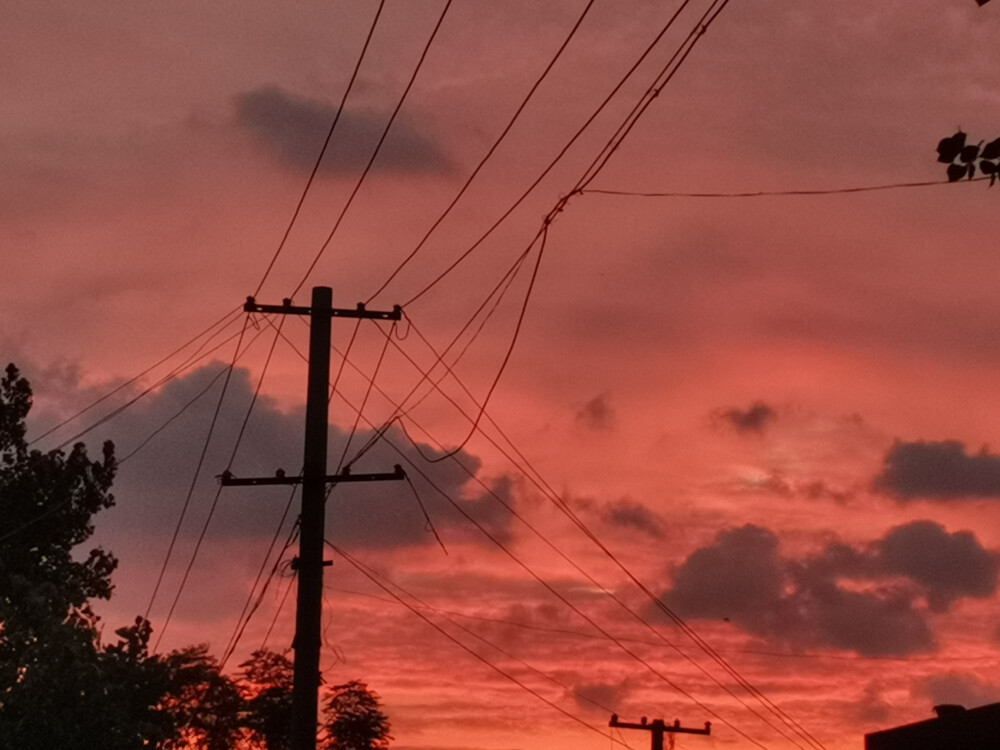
(873, 600)
(938, 471)
(751, 420)
(294, 129)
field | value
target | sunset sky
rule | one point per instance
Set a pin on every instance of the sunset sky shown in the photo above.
(774, 416)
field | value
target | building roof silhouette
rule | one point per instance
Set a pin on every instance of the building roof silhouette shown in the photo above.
(955, 726)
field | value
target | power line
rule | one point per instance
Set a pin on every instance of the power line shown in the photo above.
(548, 587)
(562, 152)
(281, 605)
(779, 193)
(667, 73)
(322, 152)
(218, 491)
(162, 381)
(769, 705)
(368, 390)
(197, 473)
(176, 415)
(498, 291)
(248, 610)
(364, 571)
(378, 147)
(489, 153)
(547, 541)
(507, 354)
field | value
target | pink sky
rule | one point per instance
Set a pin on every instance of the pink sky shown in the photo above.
(778, 413)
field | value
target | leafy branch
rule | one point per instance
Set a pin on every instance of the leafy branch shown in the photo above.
(962, 158)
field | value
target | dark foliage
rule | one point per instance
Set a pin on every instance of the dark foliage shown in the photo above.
(963, 158)
(354, 719)
(266, 682)
(49, 660)
(61, 688)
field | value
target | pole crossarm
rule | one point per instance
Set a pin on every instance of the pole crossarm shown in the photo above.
(287, 308)
(226, 478)
(659, 728)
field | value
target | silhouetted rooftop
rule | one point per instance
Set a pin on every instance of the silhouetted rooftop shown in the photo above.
(955, 726)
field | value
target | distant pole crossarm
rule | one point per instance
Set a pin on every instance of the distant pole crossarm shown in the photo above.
(659, 728)
(226, 479)
(287, 308)
(314, 479)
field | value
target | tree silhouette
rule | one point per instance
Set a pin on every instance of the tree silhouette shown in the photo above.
(266, 684)
(354, 719)
(59, 686)
(49, 661)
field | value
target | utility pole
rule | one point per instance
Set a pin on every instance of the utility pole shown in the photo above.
(658, 727)
(309, 564)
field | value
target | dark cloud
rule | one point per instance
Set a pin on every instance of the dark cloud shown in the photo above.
(600, 696)
(754, 419)
(865, 599)
(598, 413)
(881, 623)
(948, 566)
(739, 577)
(295, 129)
(153, 483)
(631, 515)
(957, 688)
(938, 470)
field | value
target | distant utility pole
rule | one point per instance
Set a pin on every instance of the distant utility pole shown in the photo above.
(659, 728)
(314, 479)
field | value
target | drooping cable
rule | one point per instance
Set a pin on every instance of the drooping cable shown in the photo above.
(429, 524)
(548, 491)
(558, 157)
(292, 580)
(326, 144)
(220, 323)
(499, 670)
(489, 153)
(769, 705)
(197, 474)
(667, 74)
(218, 493)
(779, 193)
(506, 357)
(249, 609)
(498, 290)
(378, 148)
(174, 373)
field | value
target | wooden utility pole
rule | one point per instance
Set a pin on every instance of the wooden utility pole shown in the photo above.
(659, 728)
(309, 564)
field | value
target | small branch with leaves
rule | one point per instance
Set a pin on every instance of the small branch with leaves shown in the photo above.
(962, 158)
